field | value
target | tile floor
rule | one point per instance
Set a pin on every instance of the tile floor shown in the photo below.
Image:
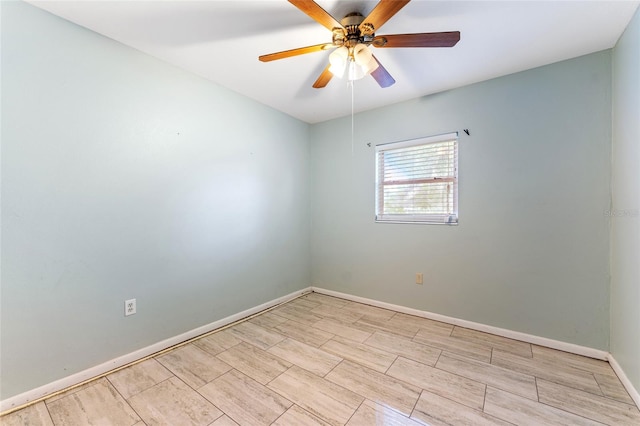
(320, 360)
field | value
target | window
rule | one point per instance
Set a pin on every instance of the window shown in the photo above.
(417, 180)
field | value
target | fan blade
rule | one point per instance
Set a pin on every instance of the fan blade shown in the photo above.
(317, 13)
(324, 78)
(382, 76)
(382, 13)
(295, 52)
(444, 39)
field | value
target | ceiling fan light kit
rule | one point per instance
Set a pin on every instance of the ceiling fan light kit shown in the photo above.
(352, 38)
(354, 62)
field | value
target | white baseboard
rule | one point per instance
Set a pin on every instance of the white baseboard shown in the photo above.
(10, 404)
(633, 392)
(42, 392)
(516, 335)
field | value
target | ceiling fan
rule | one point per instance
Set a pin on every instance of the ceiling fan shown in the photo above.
(352, 37)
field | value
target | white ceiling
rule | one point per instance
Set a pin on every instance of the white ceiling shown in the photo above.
(221, 41)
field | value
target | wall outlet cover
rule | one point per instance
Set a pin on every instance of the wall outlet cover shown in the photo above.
(129, 307)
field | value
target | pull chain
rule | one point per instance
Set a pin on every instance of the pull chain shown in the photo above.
(352, 120)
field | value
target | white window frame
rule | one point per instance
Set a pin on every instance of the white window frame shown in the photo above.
(450, 218)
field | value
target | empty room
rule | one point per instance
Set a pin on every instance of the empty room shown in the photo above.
(330, 212)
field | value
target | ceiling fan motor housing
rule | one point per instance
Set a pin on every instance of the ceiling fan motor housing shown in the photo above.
(352, 34)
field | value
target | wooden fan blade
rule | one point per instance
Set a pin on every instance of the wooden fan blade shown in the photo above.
(295, 52)
(324, 78)
(444, 39)
(382, 76)
(382, 13)
(317, 13)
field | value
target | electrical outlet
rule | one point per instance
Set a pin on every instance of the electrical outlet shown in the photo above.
(129, 307)
(419, 279)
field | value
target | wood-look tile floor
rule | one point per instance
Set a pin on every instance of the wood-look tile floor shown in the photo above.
(320, 360)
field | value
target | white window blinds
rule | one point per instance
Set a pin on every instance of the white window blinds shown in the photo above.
(417, 180)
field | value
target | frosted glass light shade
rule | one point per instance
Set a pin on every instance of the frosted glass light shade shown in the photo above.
(339, 59)
(355, 67)
(364, 58)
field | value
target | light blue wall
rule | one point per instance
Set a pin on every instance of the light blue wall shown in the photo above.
(124, 177)
(531, 252)
(625, 224)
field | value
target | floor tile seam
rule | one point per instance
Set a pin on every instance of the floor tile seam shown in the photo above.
(416, 403)
(173, 376)
(276, 378)
(75, 389)
(385, 373)
(308, 343)
(494, 415)
(375, 348)
(485, 383)
(567, 385)
(558, 408)
(369, 368)
(486, 391)
(336, 366)
(452, 400)
(610, 399)
(197, 391)
(178, 377)
(281, 414)
(286, 319)
(356, 360)
(480, 345)
(344, 361)
(392, 362)
(484, 396)
(422, 389)
(490, 346)
(268, 386)
(318, 328)
(543, 363)
(510, 353)
(502, 339)
(452, 352)
(126, 401)
(319, 348)
(615, 399)
(565, 369)
(410, 356)
(452, 330)
(216, 354)
(633, 406)
(355, 411)
(295, 405)
(253, 378)
(561, 409)
(365, 398)
(263, 385)
(586, 370)
(472, 360)
(46, 407)
(585, 367)
(602, 394)
(538, 375)
(476, 380)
